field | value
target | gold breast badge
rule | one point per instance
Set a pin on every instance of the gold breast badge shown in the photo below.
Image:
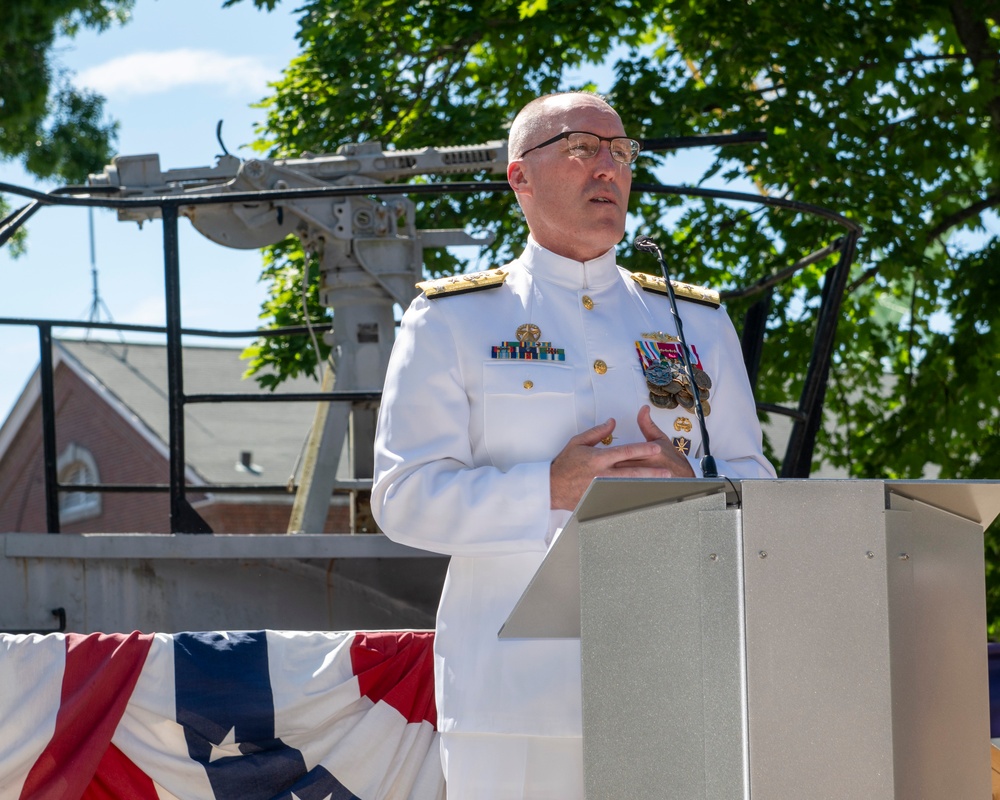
(683, 445)
(659, 336)
(528, 333)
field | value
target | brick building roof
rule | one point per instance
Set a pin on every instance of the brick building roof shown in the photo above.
(132, 378)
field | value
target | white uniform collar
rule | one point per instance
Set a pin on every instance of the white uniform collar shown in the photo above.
(566, 272)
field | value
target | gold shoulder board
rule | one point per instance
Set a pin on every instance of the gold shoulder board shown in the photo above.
(460, 284)
(685, 291)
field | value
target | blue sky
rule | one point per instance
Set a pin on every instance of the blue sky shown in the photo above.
(169, 75)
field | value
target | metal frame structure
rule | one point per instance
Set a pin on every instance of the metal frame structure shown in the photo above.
(184, 519)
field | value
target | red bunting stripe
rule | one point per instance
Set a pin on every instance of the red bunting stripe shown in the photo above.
(101, 672)
(397, 668)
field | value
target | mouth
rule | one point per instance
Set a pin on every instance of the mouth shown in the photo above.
(605, 200)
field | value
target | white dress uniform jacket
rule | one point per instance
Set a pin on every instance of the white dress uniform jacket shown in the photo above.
(465, 441)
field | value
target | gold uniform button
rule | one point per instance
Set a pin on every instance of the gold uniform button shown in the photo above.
(600, 367)
(607, 439)
(587, 302)
(529, 384)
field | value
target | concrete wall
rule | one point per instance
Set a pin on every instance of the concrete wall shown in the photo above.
(170, 583)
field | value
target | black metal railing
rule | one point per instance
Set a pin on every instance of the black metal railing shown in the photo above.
(189, 520)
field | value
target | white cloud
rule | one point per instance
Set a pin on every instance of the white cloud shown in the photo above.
(145, 311)
(153, 72)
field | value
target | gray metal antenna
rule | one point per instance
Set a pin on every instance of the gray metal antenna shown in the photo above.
(96, 301)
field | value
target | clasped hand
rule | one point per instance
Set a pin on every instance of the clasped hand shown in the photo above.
(580, 461)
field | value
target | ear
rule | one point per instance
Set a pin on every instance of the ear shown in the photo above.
(517, 178)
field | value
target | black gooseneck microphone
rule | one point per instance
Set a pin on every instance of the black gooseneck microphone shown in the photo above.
(646, 245)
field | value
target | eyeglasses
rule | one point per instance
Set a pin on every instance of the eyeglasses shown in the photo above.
(583, 144)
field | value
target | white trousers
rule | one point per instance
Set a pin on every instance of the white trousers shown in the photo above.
(498, 767)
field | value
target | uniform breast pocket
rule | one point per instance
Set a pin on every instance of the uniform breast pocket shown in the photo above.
(529, 409)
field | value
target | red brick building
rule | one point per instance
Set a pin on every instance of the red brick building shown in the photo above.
(112, 427)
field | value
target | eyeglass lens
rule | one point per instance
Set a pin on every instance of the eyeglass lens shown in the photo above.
(586, 145)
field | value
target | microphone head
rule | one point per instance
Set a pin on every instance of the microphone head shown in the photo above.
(645, 244)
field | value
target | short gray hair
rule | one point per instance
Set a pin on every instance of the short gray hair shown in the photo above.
(531, 123)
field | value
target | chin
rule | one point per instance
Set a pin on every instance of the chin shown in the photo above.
(604, 236)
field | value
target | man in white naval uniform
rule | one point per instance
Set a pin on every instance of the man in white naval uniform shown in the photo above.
(506, 394)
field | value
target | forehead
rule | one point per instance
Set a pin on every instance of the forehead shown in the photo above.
(581, 113)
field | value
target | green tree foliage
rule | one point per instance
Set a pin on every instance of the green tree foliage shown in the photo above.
(887, 111)
(57, 130)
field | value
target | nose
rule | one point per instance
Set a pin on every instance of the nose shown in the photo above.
(605, 167)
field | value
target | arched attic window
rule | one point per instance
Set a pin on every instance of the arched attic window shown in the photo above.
(76, 465)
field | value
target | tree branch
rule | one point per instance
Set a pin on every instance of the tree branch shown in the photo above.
(962, 215)
(852, 72)
(774, 87)
(974, 33)
(938, 230)
(863, 278)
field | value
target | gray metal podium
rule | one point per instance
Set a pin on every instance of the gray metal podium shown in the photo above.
(774, 639)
